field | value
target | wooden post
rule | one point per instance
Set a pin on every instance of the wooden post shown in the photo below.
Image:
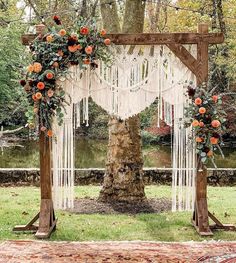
(46, 216)
(47, 222)
(201, 214)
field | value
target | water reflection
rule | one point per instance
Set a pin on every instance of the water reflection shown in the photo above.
(92, 153)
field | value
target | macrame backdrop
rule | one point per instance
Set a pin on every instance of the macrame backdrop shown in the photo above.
(137, 76)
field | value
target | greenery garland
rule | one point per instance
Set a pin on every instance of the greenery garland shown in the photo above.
(53, 54)
(207, 117)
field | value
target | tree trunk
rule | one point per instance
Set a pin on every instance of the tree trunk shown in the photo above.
(123, 179)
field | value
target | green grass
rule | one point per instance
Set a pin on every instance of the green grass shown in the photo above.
(19, 204)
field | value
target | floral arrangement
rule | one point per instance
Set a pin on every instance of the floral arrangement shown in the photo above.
(207, 118)
(53, 53)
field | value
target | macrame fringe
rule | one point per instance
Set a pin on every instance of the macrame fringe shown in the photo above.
(137, 77)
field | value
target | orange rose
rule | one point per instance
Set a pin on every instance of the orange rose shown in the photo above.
(215, 98)
(30, 68)
(55, 65)
(49, 38)
(201, 124)
(88, 49)
(34, 97)
(38, 95)
(210, 154)
(195, 123)
(86, 61)
(50, 93)
(107, 41)
(103, 32)
(72, 49)
(60, 53)
(215, 124)
(198, 101)
(202, 110)
(37, 67)
(40, 85)
(213, 140)
(62, 32)
(84, 30)
(49, 133)
(79, 47)
(49, 75)
(199, 139)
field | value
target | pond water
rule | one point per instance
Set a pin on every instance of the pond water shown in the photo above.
(92, 154)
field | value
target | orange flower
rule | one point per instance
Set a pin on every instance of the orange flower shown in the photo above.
(72, 49)
(38, 95)
(40, 85)
(195, 123)
(50, 93)
(37, 67)
(198, 101)
(210, 154)
(215, 124)
(103, 32)
(86, 61)
(43, 129)
(49, 38)
(49, 75)
(30, 68)
(88, 49)
(201, 124)
(84, 30)
(202, 110)
(34, 97)
(79, 47)
(199, 139)
(107, 41)
(55, 65)
(49, 133)
(60, 53)
(213, 140)
(62, 32)
(74, 36)
(215, 98)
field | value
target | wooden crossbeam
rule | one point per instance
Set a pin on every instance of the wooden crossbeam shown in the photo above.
(153, 39)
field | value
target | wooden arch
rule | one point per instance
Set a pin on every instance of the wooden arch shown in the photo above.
(199, 67)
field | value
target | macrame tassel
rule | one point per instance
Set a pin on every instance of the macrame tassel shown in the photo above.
(63, 155)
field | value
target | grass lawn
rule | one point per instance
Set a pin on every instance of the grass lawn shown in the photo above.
(19, 204)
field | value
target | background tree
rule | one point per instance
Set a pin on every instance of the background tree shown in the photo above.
(124, 176)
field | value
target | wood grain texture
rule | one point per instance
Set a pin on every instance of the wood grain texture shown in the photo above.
(152, 39)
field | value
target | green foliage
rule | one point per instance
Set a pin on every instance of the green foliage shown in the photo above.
(12, 59)
(206, 116)
(53, 54)
(149, 138)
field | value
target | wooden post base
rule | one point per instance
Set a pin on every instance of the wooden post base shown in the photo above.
(47, 221)
(216, 226)
(28, 227)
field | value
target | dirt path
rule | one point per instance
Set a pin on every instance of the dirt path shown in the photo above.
(118, 252)
(91, 206)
